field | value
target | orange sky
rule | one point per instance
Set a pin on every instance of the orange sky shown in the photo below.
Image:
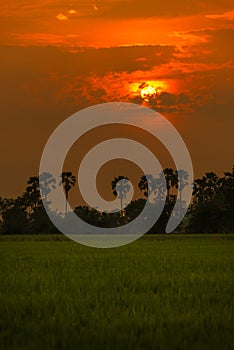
(58, 57)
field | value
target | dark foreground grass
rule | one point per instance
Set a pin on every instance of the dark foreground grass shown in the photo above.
(161, 292)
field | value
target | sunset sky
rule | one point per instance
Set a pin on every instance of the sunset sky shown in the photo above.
(58, 57)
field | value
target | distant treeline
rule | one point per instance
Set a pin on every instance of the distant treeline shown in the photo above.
(211, 209)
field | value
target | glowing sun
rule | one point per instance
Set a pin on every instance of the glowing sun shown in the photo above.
(148, 92)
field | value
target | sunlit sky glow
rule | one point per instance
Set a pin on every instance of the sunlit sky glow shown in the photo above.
(58, 57)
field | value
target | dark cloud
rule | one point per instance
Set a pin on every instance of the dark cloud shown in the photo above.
(24, 11)
(167, 99)
(86, 60)
(215, 46)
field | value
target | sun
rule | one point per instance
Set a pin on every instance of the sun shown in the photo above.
(148, 90)
(148, 93)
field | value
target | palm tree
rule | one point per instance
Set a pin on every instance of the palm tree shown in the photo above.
(182, 177)
(120, 189)
(171, 180)
(68, 180)
(160, 186)
(147, 184)
(47, 184)
(152, 186)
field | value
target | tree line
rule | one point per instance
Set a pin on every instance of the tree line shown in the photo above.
(211, 208)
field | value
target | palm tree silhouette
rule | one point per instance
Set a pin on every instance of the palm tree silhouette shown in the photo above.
(147, 184)
(182, 177)
(160, 187)
(120, 189)
(68, 180)
(47, 184)
(171, 180)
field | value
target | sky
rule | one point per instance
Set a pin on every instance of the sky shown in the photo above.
(58, 57)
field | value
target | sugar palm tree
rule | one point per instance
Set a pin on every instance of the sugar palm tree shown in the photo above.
(68, 180)
(160, 186)
(147, 184)
(47, 184)
(120, 190)
(171, 180)
(182, 176)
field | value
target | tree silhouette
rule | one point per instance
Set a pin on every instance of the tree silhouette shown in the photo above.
(147, 184)
(160, 186)
(206, 187)
(171, 179)
(15, 219)
(47, 184)
(120, 189)
(32, 196)
(182, 177)
(2, 207)
(152, 185)
(68, 180)
(228, 180)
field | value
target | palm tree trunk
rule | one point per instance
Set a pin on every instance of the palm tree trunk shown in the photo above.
(121, 205)
(168, 193)
(180, 198)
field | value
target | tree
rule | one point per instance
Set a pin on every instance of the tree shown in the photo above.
(147, 184)
(206, 187)
(68, 180)
(40, 222)
(208, 217)
(171, 179)
(182, 177)
(135, 208)
(47, 184)
(212, 209)
(14, 217)
(120, 187)
(227, 182)
(227, 189)
(89, 215)
(160, 187)
(153, 186)
(2, 207)
(33, 191)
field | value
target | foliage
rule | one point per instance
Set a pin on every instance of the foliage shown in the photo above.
(213, 205)
(68, 181)
(14, 217)
(212, 208)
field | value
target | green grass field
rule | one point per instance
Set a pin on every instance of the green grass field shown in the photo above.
(160, 292)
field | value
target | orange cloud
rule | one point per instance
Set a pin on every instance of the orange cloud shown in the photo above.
(95, 7)
(72, 12)
(226, 15)
(42, 39)
(61, 17)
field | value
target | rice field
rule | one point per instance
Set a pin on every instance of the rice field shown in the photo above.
(160, 292)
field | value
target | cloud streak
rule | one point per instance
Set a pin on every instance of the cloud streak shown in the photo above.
(226, 15)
